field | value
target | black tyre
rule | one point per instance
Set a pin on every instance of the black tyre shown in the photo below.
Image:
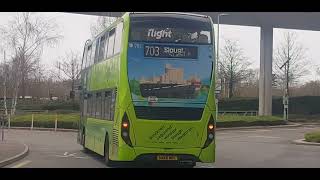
(106, 151)
(84, 142)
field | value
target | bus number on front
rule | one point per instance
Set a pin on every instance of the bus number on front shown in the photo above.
(152, 51)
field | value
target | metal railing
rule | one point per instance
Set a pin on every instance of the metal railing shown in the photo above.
(10, 122)
(3, 124)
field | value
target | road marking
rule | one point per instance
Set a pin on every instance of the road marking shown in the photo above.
(291, 129)
(205, 165)
(247, 131)
(222, 133)
(264, 130)
(310, 128)
(78, 157)
(265, 137)
(21, 164)
(65, 155)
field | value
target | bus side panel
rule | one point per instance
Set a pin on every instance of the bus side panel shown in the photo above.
(96, 130)
(207, 155)
(104, 75)
(124, 91)
(121, 150)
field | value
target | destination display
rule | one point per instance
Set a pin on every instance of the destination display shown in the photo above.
(166, 51)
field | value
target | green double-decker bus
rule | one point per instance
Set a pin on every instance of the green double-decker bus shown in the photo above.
(147, 90)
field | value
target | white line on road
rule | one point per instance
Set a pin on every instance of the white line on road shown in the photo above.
(291, 129)
(77, 157)
(254, 131)
(81, 157)
(65, 155)
(222, 133)
(21, 164)
(310, 128)
(264, 137)
(264, 130)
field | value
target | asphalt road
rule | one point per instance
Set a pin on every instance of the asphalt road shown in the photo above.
(235, 148)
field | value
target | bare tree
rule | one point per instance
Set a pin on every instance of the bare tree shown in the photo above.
(297, 66)
(69, 65)
(4, 83)
(318, 70)
(234, 67)
(26, 36)
(101, 24)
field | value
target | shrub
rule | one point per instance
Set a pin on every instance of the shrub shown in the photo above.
(69, 105)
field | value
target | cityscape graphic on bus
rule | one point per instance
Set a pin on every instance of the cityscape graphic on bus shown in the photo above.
(175, 83)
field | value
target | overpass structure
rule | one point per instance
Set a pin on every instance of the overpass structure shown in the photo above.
(266, 21)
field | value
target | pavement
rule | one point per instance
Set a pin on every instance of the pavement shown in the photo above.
(245, 148)
(11, 151)
(304, 142)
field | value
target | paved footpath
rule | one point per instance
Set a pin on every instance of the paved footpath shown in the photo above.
(11, 151)
(270, 147)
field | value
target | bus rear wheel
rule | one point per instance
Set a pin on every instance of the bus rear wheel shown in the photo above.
(106, 151)
(84, 142)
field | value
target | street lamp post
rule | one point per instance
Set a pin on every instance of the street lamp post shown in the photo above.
(286, 91)
(218, 35)
(217, 58)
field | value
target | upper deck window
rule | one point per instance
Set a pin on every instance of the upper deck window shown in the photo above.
(171, 30)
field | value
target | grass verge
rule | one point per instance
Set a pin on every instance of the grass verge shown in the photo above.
(313, 137)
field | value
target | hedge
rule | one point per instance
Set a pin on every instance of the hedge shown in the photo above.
(307, 105)
(61, 106)
(44, 120)
(242, 121)
(70, 121)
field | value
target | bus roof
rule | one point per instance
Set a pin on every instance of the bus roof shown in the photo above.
(189, 16)
(169, 13)
(148, 14)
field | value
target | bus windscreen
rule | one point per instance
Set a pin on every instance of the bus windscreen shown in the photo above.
(170, 62)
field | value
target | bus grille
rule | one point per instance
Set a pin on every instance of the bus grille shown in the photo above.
(115, 135)
(168, 113)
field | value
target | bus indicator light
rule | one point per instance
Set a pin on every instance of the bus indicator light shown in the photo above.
(125, 124)
(125, 128)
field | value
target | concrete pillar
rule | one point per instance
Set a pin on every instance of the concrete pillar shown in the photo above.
(265, 77)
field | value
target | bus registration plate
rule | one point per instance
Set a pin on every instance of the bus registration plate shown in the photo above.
(167, 158)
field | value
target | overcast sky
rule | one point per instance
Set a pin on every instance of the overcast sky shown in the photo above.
(75, 29)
